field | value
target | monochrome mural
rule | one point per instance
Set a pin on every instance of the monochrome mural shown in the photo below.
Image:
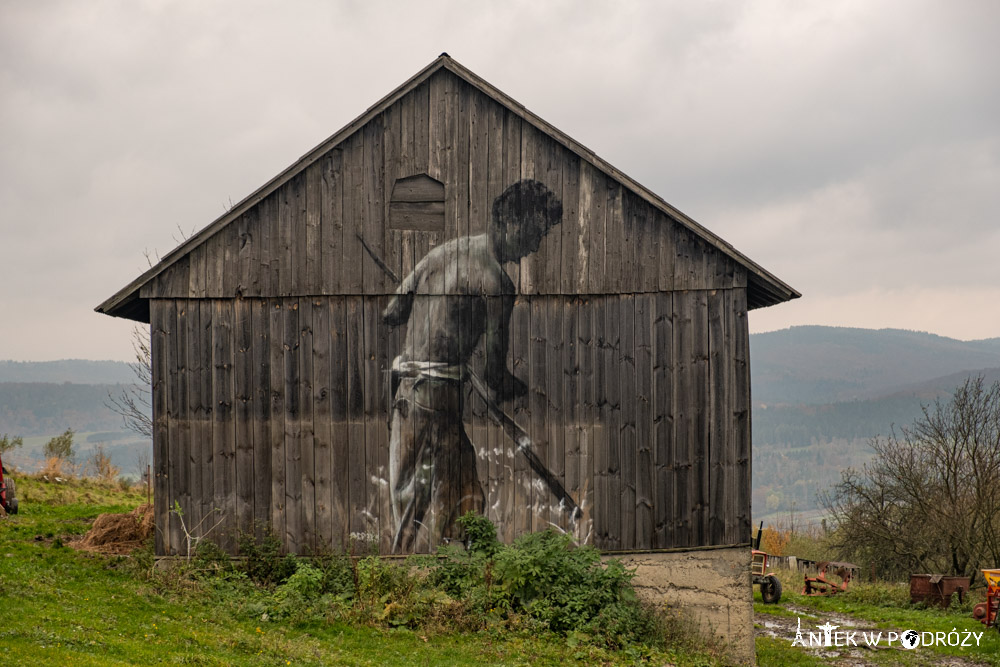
(450, 307)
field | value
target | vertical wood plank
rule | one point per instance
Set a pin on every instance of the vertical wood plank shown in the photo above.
(741, 410)
(718, 431)
(291, 341)
(209, 511)
(630, 230)
(199, 357)
(299, 235)
(512, 169)
(663, 422)
(555, 379)
(421, 128)
(666, 237)
(500, 493)
(573, 229)
(353, 203)
(223, 426)
(229, 257)
(529, 269)
(243, 395)
(646, 240)
(479, 162)
(614, 239)
(340, 435)
(700, 439)
(276, 325)
(570, 427)
(162, 325)
(612, 419)
(373, 207)
(397, 142)
(286, 239)
(579, 282)
(261, 396)
(384, 354)
(332, 222)
(248, 256)
(538, 402)
(685, 424)
(436, 131)
(356, 470)
(180, 470)
(266, 228)
(322, 400)
(307, 442)
(197, 272)
(313, 250)
(603, 503)
(372, 388)
(586, 417)
(594, 218)
(630, 533)
(645, 522)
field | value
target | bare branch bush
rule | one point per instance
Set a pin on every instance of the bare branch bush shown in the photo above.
(101, 464)
(193, 535)
(928, 500)
(133, 402)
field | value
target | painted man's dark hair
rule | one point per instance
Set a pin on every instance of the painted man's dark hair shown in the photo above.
(526, 197)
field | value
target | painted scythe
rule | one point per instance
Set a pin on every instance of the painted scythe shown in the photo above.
(510, 427)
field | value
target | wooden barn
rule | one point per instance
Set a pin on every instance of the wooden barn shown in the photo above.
(450, 305)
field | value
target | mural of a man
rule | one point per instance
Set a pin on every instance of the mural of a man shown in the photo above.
(456, 295)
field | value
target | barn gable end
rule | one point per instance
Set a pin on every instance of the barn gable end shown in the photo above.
(272, 358)
(305, 237)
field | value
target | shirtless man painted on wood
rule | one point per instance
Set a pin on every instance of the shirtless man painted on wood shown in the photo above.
(457, 294)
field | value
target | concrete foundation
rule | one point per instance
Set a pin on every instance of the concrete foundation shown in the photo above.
(712, 587)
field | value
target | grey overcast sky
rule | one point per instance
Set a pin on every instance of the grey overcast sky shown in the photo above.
(850, 147)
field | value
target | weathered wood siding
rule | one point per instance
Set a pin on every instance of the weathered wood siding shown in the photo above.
(271, 392)
(303, 238)
(639, 403)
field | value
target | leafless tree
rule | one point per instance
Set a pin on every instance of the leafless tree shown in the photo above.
(929, 500)
(133, 401)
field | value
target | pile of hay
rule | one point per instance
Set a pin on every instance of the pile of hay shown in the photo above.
(118, 533)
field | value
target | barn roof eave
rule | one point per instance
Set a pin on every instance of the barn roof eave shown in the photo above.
(765, 289)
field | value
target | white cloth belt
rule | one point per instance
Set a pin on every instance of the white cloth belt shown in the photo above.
(440, 370)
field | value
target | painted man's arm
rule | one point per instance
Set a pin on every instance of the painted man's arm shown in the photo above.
(398, 310)
(498, 310)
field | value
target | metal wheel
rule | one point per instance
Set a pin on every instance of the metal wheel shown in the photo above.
(770, 589)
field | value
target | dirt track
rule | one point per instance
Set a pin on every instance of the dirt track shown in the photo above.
(861, 655)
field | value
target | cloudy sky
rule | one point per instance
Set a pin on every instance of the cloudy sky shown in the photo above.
(852, 148)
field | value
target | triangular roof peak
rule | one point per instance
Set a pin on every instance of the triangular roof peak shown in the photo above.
(764, 288)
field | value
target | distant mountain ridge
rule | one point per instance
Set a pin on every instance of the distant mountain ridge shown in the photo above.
(821, 394)
(820, 365)
(76, 371)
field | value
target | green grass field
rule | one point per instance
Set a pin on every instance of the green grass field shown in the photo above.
(62, 606)
(873, 607)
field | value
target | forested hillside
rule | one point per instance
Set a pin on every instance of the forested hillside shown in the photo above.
(77, 371)
(822, 365)
(820, 394)
(38, 409)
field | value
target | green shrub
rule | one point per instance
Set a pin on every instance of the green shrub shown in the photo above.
(480, 534)
(209, 558)
(264, 561)
(338, 574)
(558, 583)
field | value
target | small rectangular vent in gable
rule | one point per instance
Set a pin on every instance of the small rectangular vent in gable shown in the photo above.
(417, 203)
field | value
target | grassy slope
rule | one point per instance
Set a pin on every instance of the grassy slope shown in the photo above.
(886, 607)
(66, 607)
